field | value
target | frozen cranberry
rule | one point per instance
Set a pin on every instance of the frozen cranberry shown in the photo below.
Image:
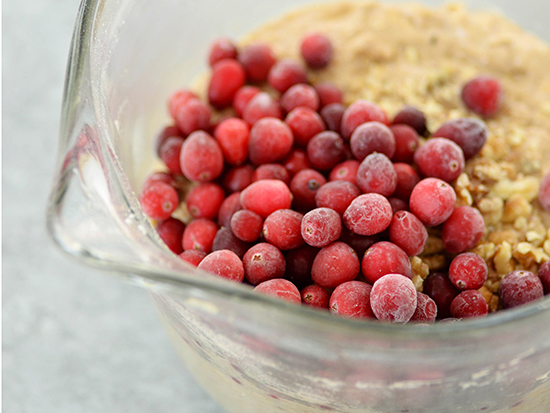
(398, 204)
(426, 309)
(440, 158)
(468, 133)
(385, 258)
(544, 275)
(359, 243)
(232, 136)
(351, 300)
(257, 60)
(468, 271)
(296, 161)
(165, 133)
(193, 116)
(321, 226)
(407, 178)
(228, 76)
(544, 192)
(335, 264)
(377, 174)
(242, 97)
(469, 304)
(328, 93)
(238, 178)
(438, 287)
(432, 201)
(368, 214)
(359, 112)
(300, 95)
(159, 200)
(199, 235)
(286, 73)
(178, 99)
(304, 186)
(171, 232)
(283, 229)
(229, 206)
(246, 225)
(393, 298)
(266, 196)
(406, 143)
(263, 262)
(336, 195)
(298, 265)
(305, 123)
(169, 152)
(222, 48)
(332, 115)
(193, 257)
(204, 201)
(159, 177)
(483, 95)
(463, 229)
(261, 106)
(201, 158)
(315, 296)
(325, 150)
(226, 240)
(223, 263)
(412, 117)
(271, 171)
(520, 287)
(408, 233)
(270, 141)
(372, 137)
(345, 171)
(280, 288)
(316, 49)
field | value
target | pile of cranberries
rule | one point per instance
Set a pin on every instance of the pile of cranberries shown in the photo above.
(318, 203)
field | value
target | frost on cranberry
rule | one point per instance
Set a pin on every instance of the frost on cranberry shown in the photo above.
(232, 135)
(300, 95)
(325, 150)
(270, 141)
(193, 257)
(335, 264)
(316, 49)
(412, 117)
(201, 158)
(463, 230)
(440, 158)
(265, 197)
(385, 258)
(368, 214)
(468, 133)
(246, 225)
(468, 271)
(199, 235)
(229, 206)
(242, 97)
(372, 137)
(286, 73)
(262, 105)
(171, 232)
(221, 48)
(257, 60)
(159, 200)
(432, 201)
(393, 298)
(376, 174)
(280, 288)
(408, 233)
(345, 171)
(204, 200)
(283, 229)
(169, 152)
(337, 195)
(359, 112)
(544, 192)
(271, 171)
(315, 296)
(351, 300)
(426, 309)
(228, 76)
(193, 116)
(469, 304)
(519, 288)
(483, 95)
(305, 123)
(223, 263)
(263, 262)
(320, 227)
(178, 99)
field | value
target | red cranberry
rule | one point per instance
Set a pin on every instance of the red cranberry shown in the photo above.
(159, 200)
(171, 232)
(232, 135)
(298, 264)
(261, 106)
(305, 123)
(351, 300)
(226, 240)
(320, 227)
(228, 76)
(286, 73)
(257, 60)
(372, 137)
(193, 116)
(469, 304)
(406, 143)
(359, 243)
(393, 298)
(315, 296)
(201, 158)
(242, 97)
(407, 178)
(300, 95)
(222, 48)
(334, 265)
(385, 258)
(159, 177)
(412, 117)
(336, 195)
(296, 161)
(345, 171)
(178, 99)
(544, 192)
(368, 214)
(304, 186)
(270, 141)
(438, 287)
(328, 93)
(483, 95)
(432, 201)
(271, 171)
(426, 309)
(223, 263)
(376, 174)
(169, 152)
(519, 288)
(544, 275)
(246, 225)
(283, 229)
(229, 206)
(280, 288)
(408, 233)
(468, 271)
(398, 204)
(332, 115)
(359, 112)
(193, 257)
(266, 196)
(165, 133)
(238, 178)
(325, 150)
(468, 133)
(199, 235)
(462, 230)
(263, 262)
(316, 49)
(204, 201)
(440, 158)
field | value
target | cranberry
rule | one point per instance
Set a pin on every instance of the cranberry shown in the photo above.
(271, 171)
(238, 178)
(351, 300)
(270, 140)
(223, 263)
(242, 97)
(261, 106)
(229, 206)
(228, 76)
(336, 195)
(372, 137)
(332, 115)
(328, 93)
(359, 112)
(169, 152)
(305, 123)
(393, 298)
(315, 296)
(286, 73)
(280, 288)
(320, 227)
(426, 309)
(165, 133)
(519, 288)
(246, 225)
(159, 177)
(406, 143)
(316, 49)
(201, 158)
(193, 116)
(483, 95)
(193, 257)
(232, 136)
(407, 178)
(199, 235)
(368, 214)
(408, 233)
(468, 271)
(468, 133)
(283, 229)
(469, 304)
(304, 187)
(222, 48)
(359, 243)
(462, 230)
(296, 161)
(398, 204)
(440, 158)
(544, 275)
(334, 265)
(178, 99)
(345, 171)
(226, 240)
(171, 232)
(266, 196)
(412, 117)
(438, 287)
(544, 192)
(325, 150)
(159, 200)
(432, 201)
(204, 201)
(377, 174)
(300, 95)
(298, 264)
(385, 258)
(257, 60)
(263, 262)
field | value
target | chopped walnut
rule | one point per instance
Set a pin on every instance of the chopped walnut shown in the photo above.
(516, 206)
(502, 259)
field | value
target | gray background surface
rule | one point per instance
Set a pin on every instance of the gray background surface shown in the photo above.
(74, 340)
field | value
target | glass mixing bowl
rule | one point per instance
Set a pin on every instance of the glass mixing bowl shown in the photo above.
(250, 352)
